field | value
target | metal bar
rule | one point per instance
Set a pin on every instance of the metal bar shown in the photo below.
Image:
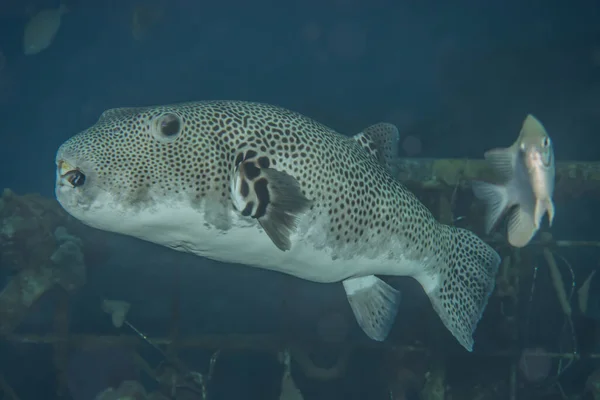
(573, 178)
(268, 343)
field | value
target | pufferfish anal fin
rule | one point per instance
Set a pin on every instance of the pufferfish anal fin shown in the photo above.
(382, 142)
(272, 197)
(374, 304)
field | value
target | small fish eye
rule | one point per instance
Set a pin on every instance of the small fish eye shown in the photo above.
(170, 125)
(75, 178)
(546, 142)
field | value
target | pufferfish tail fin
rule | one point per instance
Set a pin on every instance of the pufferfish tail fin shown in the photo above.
(460, 281)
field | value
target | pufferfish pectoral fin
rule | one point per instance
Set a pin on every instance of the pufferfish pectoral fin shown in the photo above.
(272, 197)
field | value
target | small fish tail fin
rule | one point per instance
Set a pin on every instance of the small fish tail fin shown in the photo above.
(495, 198)
(542, 207)
(522, 226)
(374, 304)
(460, 281)
(550, 210)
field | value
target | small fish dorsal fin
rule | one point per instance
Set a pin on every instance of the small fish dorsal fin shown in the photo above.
(533, 126)
(117, 113)
(381, 141)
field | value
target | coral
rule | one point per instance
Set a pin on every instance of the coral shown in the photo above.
(435, 386)
(28, 222)
(32, 222)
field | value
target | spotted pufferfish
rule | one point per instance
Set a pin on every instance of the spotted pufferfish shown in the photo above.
(259, 185)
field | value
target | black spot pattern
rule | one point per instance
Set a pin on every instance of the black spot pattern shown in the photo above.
(469, 274)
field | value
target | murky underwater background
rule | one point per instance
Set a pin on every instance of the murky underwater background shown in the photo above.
(457, 78)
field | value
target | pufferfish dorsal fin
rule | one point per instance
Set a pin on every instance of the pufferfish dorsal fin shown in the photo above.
(272, 197)
(381, 141)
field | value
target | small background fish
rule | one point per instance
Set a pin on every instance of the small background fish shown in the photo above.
(41, 29)
(527, 171)
(145, 16)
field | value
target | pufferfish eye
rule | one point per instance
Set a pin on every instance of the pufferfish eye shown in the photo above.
(169, 125)
(75, 178)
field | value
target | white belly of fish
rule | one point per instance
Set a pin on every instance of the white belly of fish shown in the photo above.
(183, 228)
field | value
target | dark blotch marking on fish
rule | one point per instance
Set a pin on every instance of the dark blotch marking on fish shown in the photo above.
(251, 171)
(263, 197)
(238, 159)
(264, 162)
(248, 209)
(245, 189)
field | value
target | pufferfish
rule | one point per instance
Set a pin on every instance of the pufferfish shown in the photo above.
(259, 185)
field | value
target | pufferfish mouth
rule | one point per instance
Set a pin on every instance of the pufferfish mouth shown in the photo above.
(70, 174)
